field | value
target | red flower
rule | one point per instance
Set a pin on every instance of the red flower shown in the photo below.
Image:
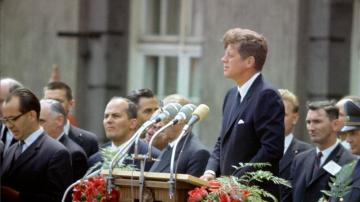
(93, 189)
(245, 194)
(197, 194)
(224, 197)
(214, 185)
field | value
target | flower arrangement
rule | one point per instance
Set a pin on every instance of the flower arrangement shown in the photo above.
(237, 189)
(93, 189)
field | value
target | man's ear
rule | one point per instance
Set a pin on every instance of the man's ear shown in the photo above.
(133, 124)
(60, 120)
(296, 118)
(336, 125)
(32, 115)
(72, 104)
(250, 61)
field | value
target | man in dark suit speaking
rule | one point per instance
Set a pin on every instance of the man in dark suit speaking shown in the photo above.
(253, 112)
(36, 168)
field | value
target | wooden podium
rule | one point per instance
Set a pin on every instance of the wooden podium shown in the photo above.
(156, 187)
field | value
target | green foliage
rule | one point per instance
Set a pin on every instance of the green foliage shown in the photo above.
(341, 183)
(107, 154)
(246, 181)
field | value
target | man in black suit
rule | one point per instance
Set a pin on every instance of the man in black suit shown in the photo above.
(37, 168)
(253, 112)
(292, 146)
(120, 124)
(53, 119)
(312, 169)
(61, 92)
(193, 158)
(7, 85)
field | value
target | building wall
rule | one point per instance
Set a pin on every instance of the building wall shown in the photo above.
(278, 24)
(29, 44)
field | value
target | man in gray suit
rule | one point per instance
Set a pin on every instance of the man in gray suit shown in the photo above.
(191, 156)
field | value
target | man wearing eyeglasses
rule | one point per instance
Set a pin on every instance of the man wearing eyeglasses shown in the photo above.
(37, 168)
(6, 86)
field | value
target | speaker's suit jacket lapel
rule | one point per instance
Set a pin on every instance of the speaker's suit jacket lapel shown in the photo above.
(231, 100)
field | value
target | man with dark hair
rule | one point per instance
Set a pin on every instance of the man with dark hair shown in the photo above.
(253, 112)
(146, 103)
(120, 124)
(312, 169)
(53, 119)
(61, 92)
(37, 168)
(7, 85)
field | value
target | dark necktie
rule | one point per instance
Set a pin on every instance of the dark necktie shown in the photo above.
(3, 138)
(238, 99)
(236, 104)
(18, 149)
(317, 164)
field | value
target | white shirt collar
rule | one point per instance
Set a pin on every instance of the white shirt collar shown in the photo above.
(60, 136)
(114, 146)
(327, 151)
(246, 86)
(287, 141)
(67, 127)
(31, 139)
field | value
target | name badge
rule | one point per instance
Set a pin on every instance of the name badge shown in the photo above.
(332, 167)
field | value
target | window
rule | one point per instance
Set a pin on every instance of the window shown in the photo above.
(165, 46)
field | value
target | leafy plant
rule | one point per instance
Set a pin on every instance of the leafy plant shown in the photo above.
(232, 188)
(340, 184)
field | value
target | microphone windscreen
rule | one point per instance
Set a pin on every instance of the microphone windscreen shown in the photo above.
(201, 111)
(187, 111)
(172, 109)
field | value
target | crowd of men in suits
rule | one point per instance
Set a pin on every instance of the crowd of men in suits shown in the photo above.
(42, 152)
(46, 153)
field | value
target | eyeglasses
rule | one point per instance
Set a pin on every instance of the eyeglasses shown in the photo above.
(12, 120)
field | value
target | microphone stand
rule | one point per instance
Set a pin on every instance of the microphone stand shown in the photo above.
(184, 131)
(122, 152)
(155, 135)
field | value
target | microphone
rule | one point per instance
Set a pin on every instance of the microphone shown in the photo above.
(184, 114)
(169, 111)
(199, 114)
